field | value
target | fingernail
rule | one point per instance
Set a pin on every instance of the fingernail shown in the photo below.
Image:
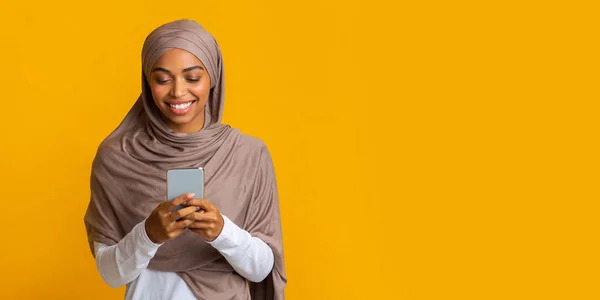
(190, 195)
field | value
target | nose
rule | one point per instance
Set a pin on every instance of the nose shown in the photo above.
(179, 88)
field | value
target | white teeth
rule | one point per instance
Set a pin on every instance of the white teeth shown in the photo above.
(181, 106)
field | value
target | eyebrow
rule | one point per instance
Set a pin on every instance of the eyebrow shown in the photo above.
(159, 69)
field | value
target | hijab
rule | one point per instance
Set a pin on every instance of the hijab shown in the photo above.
(128, 178)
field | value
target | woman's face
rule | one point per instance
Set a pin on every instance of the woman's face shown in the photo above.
(180, 87)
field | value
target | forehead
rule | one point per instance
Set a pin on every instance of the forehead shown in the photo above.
(177, 59)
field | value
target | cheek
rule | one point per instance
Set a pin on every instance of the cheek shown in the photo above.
(158, 92)
(201, 91)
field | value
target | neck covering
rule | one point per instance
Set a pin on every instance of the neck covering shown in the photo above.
(128, 178)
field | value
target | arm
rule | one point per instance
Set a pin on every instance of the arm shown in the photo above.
(123, 262)
(249, 256)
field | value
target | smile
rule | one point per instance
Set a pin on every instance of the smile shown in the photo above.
(181, 108)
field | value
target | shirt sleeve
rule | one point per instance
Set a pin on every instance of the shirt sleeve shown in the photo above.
(249, 256)
(123, 262)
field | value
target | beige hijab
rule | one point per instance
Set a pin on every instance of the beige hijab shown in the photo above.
(128, 178)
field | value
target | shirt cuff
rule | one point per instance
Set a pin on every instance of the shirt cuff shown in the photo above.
(143, 240)
(224, 240)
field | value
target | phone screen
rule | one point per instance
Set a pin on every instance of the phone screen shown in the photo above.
(183, 181)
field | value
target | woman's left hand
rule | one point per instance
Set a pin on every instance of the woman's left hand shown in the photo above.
(208, 220)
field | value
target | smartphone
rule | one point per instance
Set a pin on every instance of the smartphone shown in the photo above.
(183, 181)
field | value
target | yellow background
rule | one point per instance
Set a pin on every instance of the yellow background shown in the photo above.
(440, 150)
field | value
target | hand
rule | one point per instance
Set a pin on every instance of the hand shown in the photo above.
(207, 222)
(163, 225)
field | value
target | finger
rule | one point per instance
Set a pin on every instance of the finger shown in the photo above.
(206, 217)
(183, 224)
(174, 233)
(201, 225)
(180, 200)
(195, 216)
(176, 215)
(202, 203)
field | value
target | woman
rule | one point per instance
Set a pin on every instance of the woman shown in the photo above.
(212, 248)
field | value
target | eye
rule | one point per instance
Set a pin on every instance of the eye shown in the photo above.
(193, 79)
(162, 81)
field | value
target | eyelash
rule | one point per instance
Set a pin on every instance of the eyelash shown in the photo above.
(162, 82)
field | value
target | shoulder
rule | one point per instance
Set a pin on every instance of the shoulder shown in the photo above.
(109, 151)
(251, 143)
(252, 148)
(117, 143)
(109, 146)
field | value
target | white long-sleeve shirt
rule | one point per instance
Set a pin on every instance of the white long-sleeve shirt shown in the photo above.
(125, 263)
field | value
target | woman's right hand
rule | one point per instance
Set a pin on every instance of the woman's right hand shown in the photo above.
(162, 224)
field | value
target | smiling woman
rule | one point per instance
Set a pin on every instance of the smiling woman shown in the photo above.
(211, 248)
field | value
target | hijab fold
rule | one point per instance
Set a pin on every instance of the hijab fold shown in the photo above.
(128, 178)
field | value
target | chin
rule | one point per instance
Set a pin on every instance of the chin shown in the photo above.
(185, 120)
